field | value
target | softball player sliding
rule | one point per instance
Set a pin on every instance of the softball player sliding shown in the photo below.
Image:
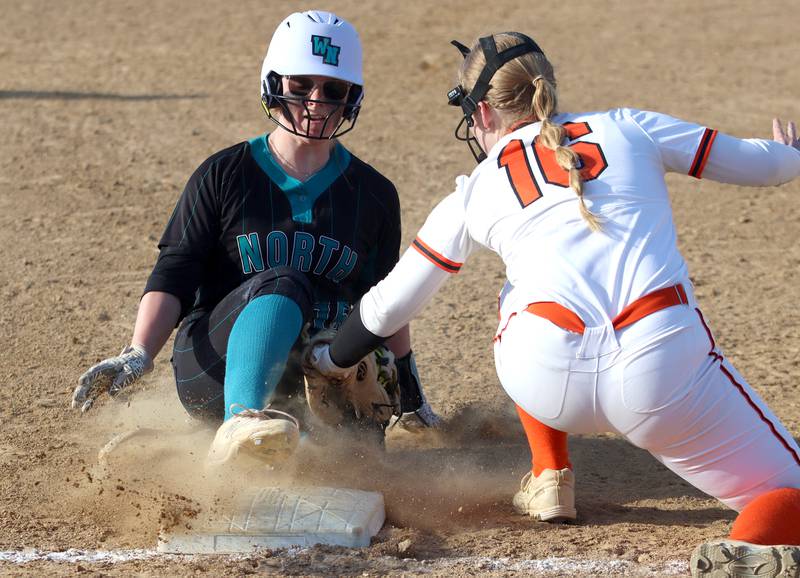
(283, 231)
(599, 329)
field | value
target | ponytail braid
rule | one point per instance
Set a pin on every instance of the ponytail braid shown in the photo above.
(524, 90)
(551, 136)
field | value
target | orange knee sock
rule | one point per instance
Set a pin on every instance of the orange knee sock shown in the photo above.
(772, 518)
(548, 445)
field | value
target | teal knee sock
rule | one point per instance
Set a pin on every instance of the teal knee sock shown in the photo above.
(258, 348)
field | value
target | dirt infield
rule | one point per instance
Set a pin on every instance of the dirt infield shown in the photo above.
(107, 107)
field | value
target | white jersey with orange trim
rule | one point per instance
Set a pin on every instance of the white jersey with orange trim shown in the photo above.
(518, 203)
(600, 332)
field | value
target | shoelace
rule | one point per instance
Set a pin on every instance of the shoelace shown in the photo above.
(263, 413)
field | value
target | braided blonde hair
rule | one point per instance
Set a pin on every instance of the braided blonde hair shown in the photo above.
(524, 89)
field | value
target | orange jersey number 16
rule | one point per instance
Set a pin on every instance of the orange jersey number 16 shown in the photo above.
(515, 160)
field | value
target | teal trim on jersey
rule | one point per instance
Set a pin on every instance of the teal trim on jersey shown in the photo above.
(301, 195)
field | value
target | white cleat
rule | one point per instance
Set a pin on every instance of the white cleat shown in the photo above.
(548, 497)
(268, 435)
(418, 421)
(734, 559)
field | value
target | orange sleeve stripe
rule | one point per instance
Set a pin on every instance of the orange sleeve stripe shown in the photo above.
(437, 259)
(703, 150)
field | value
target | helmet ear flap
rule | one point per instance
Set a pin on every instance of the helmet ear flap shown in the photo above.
(353, 104)
(271, 88)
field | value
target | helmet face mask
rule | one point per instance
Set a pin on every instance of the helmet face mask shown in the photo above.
(468, 100)
(341, 114)
(313, 44)
(459, 97)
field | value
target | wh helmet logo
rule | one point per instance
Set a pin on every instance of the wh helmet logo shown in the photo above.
(321, 46)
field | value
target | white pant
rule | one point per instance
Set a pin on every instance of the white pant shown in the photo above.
(662, 384)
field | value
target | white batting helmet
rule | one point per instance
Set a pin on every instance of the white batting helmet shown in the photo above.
(313, 43)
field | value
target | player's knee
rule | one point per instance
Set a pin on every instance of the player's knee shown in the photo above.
(283, 281)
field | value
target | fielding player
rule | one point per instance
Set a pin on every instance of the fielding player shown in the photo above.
(281, 232)
(599, 328)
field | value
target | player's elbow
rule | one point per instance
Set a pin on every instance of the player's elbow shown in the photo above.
(385, 312)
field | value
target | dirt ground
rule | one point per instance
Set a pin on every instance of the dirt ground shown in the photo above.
(107, 107)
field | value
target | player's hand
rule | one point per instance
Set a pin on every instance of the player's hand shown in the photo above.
(418, 415)
(111, 376)
(318, 359)
(789, 137)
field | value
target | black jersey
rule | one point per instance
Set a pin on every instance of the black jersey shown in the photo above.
(240, 213)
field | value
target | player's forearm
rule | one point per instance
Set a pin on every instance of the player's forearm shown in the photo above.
(158, 313)
(400, 342)
(352, 342)
(751, 162)
(387, 308)
(396, 300)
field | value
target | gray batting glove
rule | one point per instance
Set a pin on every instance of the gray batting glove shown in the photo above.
(112, 376)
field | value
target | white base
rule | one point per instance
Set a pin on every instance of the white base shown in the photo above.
(284, 517)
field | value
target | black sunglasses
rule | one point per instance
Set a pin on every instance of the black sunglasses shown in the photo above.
(302, 86)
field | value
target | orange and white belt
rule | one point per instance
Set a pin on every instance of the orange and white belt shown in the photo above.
(642, 307)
